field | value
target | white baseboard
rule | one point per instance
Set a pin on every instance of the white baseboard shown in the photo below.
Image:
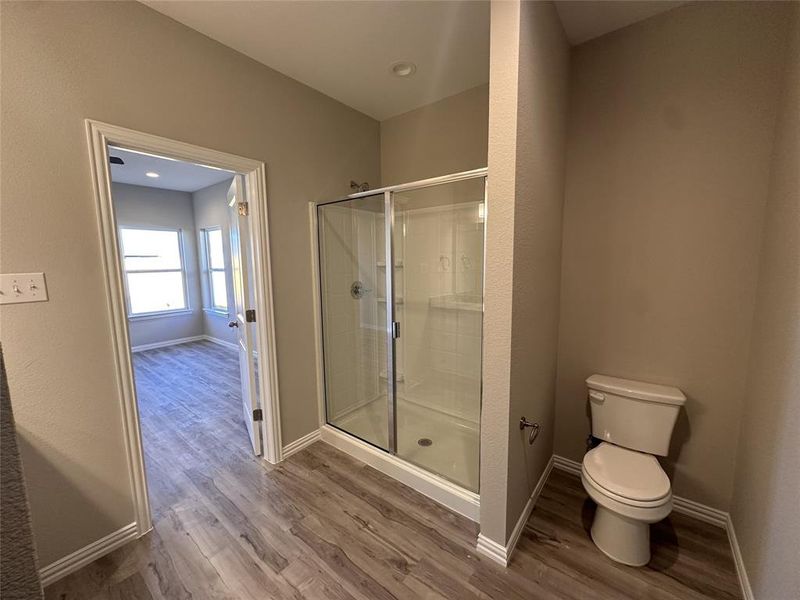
(165, 343)
(741, 572)
(565, 464)
(220, 342)
(436, 488)
(702, 512)
(714, 516)
(80, 558)
(684, 506)
(502, 554)
(299, 444)
(491, 549)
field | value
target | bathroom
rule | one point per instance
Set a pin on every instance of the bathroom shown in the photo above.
(609, 190)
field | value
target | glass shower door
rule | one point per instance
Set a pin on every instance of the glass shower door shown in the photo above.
(438, 247)
(356, 294)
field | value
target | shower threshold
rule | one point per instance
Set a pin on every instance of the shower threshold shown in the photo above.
(439, 489)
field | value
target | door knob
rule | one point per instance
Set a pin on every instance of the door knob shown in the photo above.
(233, 324)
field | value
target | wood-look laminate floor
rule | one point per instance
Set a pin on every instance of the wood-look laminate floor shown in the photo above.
(322, 525)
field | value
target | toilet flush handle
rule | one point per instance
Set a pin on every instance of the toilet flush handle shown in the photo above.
(596, 396)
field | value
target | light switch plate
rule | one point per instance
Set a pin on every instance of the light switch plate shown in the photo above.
(22, 287)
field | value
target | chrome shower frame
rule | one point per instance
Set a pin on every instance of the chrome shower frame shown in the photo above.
(392, 326)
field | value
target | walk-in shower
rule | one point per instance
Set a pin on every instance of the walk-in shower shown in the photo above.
(401, 296)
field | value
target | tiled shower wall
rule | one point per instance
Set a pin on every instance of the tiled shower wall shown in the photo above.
(441, 341)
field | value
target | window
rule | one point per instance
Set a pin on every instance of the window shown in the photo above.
(215, 260)
(154, 271)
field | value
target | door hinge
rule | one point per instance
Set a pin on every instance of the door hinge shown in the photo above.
(395, 329)
(244, 209)
(258, 414)
(250, 315)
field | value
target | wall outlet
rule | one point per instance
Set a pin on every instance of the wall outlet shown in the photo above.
(22, 287)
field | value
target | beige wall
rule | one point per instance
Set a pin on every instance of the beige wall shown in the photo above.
(211, 210)
(128, 65)
(541, 139)
(767, 484)
(670, 133)
(527, 126)
(447, 136)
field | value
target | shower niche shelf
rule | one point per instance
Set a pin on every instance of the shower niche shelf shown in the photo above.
(467, 302)
(382, 265)
(399, 377)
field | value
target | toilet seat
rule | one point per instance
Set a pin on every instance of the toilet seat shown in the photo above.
(627, 476)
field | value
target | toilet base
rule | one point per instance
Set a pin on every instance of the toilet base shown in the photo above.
(620, 538)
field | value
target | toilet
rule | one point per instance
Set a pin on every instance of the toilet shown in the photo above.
(634, 421)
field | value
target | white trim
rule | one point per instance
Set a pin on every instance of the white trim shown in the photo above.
(175, 342)
(99, 136)
(502, 554)
(701, 512)
(526, 512)
(565, 464)
(436, 488)
(300, 444)
(82, 557)
(491, 549)
(741, 572)
(684, 506)
(219, 342)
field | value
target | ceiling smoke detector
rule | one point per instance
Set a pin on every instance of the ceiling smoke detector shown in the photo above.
(403, 69)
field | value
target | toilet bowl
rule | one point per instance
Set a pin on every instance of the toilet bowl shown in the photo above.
(631, 491)
(634, 421)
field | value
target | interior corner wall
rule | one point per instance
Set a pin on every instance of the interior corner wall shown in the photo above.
(498, 281)
(670, 131)
(139, 206)
(767, 483)
(211, 210)
(444, 137)
(527, 128)
(541, 140)
(59, 68)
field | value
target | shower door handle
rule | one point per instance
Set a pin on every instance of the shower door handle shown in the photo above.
(395, 330)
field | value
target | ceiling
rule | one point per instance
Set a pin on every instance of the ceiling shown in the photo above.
(173, 174)
(584, 20)
(345, 49)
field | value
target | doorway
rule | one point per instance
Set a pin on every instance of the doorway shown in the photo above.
(186, 255)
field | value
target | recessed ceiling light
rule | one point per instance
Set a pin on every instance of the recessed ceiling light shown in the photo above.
(152, 174)
(403, 69)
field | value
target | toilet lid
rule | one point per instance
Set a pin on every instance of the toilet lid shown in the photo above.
(627, 473)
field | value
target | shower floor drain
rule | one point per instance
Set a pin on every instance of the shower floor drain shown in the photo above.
(425, 442)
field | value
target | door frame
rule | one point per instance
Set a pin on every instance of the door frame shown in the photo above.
(99, 136)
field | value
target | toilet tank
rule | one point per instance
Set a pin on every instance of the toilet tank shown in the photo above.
(634, 414)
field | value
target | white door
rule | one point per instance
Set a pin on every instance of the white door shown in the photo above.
(244, 308)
